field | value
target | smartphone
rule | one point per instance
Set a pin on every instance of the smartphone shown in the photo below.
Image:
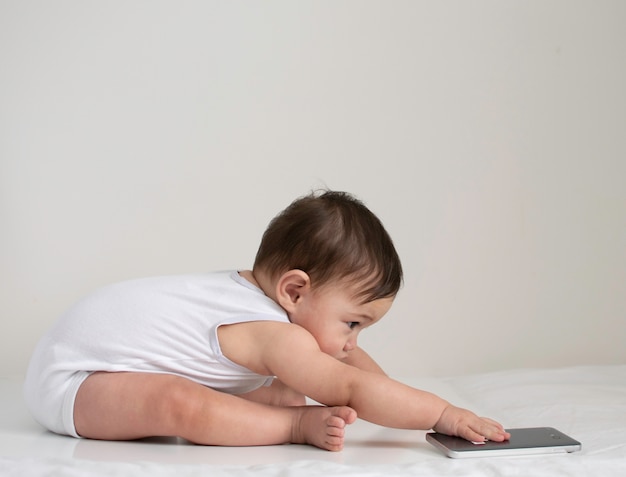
(532, 440)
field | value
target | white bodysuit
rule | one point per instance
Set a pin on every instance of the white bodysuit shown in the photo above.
(154, 325)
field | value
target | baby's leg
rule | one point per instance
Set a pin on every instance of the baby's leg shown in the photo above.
(278, 394)
(122, 406)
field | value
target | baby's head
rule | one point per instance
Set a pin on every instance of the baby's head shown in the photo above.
(333, 238)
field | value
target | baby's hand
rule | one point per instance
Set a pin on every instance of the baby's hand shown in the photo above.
(455, 421)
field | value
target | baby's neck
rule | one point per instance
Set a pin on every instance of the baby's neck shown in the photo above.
(248, 275)
(257, 280)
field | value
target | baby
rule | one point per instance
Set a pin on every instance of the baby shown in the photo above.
(227, 358)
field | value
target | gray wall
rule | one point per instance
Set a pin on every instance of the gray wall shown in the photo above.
(152, 137)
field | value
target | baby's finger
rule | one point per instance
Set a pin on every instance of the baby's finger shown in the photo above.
(471, 435)
(495, 423)
(492, 430)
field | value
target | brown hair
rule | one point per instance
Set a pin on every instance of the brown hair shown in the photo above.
(332, 236)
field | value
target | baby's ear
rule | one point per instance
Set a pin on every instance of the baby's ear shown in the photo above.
(291, 287)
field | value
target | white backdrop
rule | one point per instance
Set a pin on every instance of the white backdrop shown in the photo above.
(154, 137)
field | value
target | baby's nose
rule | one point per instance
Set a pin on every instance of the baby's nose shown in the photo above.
(350, 345)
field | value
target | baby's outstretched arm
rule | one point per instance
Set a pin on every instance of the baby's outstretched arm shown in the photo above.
(292, 354)
(390, 403)
(360, 359)
(453, 420)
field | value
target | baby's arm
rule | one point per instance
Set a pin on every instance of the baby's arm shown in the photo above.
(292, 354)
(387, 402)
(279, 394)
(360, 359)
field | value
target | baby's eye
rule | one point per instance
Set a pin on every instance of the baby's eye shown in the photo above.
(353, 324)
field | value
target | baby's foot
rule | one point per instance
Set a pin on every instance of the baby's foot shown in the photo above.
(323, 427)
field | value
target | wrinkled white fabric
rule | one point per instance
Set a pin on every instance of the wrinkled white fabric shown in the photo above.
(588, 403)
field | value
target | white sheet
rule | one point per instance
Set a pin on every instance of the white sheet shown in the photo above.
(589, 403)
